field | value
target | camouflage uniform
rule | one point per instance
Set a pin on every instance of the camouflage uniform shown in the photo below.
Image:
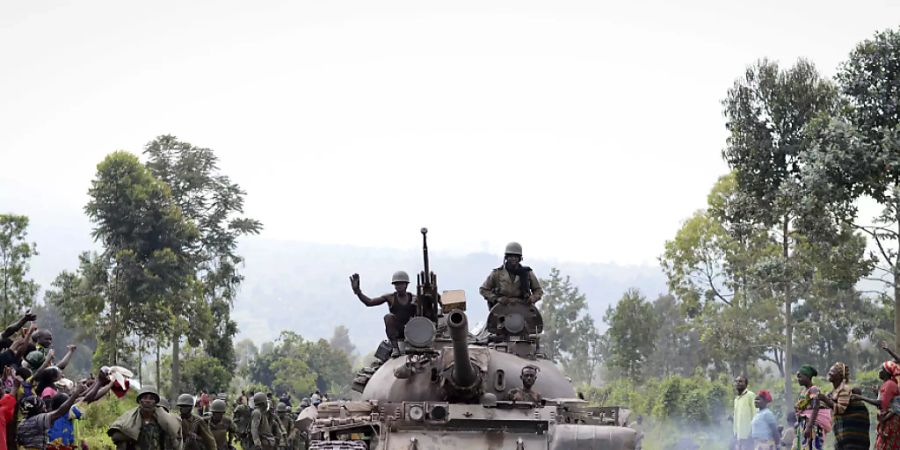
(223, 432)
(277, 428)
(196, 435)
(242, 425)
(261, 431)
(502, 284)
(288, 423)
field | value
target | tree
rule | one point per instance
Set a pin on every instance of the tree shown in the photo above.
(340, 340)
(865, 159)
(215, 205)
(16, 290)
(708, 266)
(299, 366)
(631, 334)
(142, 274)
(569, 332)
(245, 353)
(766, 113)
(677, 348)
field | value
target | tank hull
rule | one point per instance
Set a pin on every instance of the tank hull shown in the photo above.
(385, 387)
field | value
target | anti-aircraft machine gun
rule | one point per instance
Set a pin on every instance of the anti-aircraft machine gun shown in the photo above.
(450, 389)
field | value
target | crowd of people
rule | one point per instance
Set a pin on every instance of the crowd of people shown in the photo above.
(39, 406)
(841, 412)
(38, 403)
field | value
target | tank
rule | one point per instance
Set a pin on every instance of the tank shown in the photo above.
(450, 389)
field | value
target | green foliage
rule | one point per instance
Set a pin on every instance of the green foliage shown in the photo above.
(299, 366)
(631, 334)
(99, 415)
(142, 274)
(570, 336)
(215, 205)
(201, 371)
(16, 290)
(677, 348)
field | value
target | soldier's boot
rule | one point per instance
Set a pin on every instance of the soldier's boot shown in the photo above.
(395, 349)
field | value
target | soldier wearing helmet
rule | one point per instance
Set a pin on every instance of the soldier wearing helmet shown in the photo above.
(221, 426)
(284, 416)
(194, 430)
(260, 427)
(148, 426)
(401, 304)
(242, 422)
(277, 427)
(512, 281)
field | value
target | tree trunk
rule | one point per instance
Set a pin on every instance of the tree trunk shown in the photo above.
(176, 366)
(141, 360)
(788, 326)
(158, 379)
(896, 271)
(115, 331)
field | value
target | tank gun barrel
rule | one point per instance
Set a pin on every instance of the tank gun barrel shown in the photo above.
(464, 375)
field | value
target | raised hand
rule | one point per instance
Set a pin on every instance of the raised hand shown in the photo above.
(354, 283)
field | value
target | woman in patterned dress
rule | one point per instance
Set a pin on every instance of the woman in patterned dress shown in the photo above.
(888, 435)
(849, 415)
(814, 418)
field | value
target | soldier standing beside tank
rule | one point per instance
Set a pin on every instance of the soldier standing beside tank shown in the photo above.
(194, 430)
(275, 422)
(402, 306)
(221, 427)
(526, 393)
(260, 427)
(287, 422)
(512, 281)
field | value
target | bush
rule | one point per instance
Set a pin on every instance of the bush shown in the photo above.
(99, 415)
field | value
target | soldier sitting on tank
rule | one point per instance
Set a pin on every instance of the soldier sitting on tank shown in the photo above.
(402, 306)
(526, 393)
(512, 281)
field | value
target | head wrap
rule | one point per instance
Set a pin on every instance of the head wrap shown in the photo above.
(892, 368)
(842, 369)
(808, 370)
(766, 395)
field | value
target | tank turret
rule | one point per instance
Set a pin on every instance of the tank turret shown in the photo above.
(452, 389)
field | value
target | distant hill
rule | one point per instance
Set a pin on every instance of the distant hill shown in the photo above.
(304, 287)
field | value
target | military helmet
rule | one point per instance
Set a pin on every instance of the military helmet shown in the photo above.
(217, 405)
(400, 277)
(305, 401)
(164, 404)
(281, 407)
(513, 248)
(259, 399)
(185, 400)
(148, 389)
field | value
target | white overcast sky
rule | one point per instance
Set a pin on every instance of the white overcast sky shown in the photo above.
(586, 130)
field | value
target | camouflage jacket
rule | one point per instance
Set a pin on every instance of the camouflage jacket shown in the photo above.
(500, 284)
